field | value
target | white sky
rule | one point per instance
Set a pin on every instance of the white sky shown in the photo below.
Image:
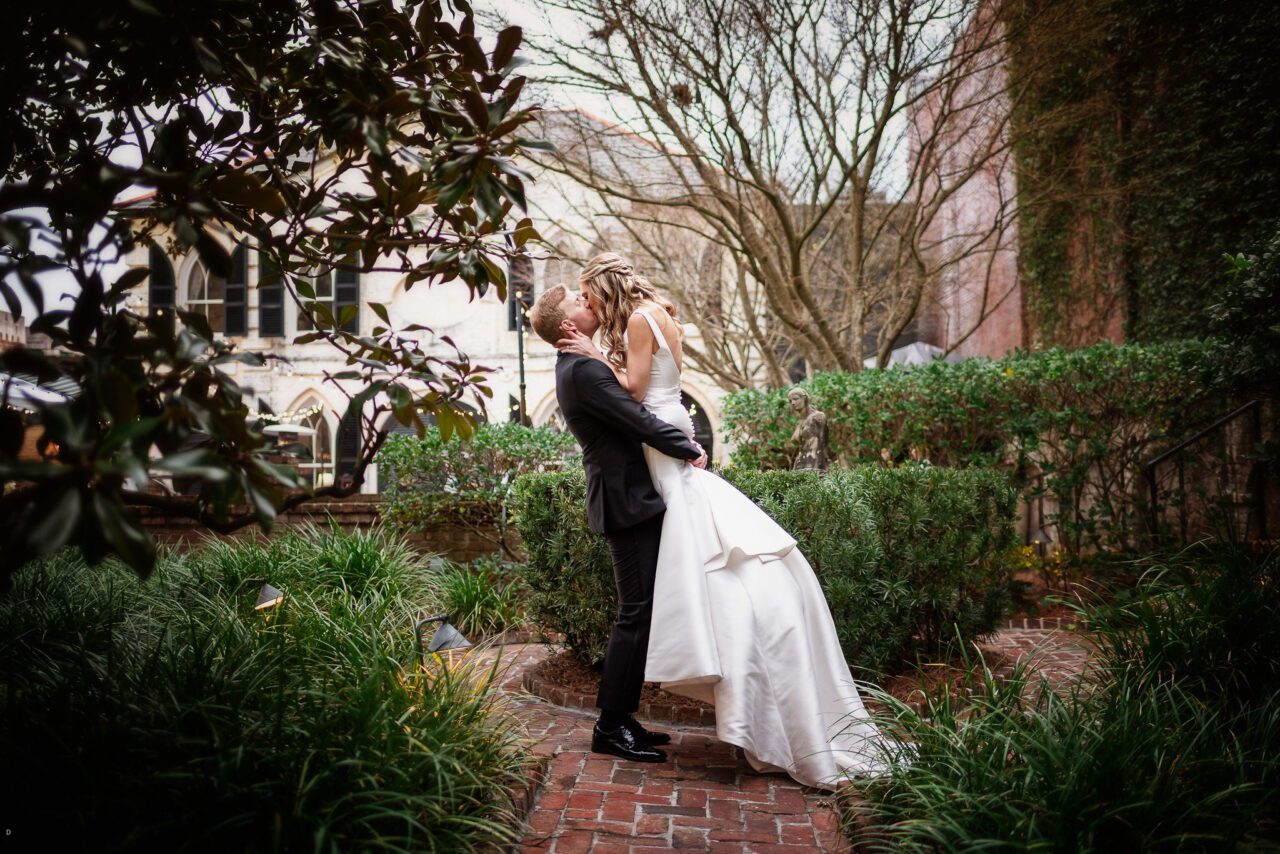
(524, 13)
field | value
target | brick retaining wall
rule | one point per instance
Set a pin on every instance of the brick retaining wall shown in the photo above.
(355, 512)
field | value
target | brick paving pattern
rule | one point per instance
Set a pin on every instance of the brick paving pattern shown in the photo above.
(1060, 656)
(706, 797)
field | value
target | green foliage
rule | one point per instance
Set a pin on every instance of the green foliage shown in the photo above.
(481, 598)
(1172, 749)
(255, 121)
(168, 714)
(1147, 145)
(569, 572)
(433, 480)
(1247, 319)
(907, 557)
(1086, 419)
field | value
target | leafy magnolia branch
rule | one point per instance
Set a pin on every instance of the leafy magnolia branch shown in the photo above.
(380, 134)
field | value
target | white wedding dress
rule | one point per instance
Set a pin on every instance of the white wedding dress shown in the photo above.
(740, 621)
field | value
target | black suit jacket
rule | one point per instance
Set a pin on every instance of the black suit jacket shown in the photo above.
(610, 425)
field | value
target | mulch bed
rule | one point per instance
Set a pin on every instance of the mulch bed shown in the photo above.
(912, 688)
(565, 681)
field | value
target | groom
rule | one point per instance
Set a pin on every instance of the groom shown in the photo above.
(622, 504)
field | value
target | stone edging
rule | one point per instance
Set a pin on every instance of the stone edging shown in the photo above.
(1071, 624)
(510, 637)
(670, 713)
(524, 794)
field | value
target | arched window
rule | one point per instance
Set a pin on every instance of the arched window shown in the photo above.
(206, 294)
(702, 432)
(306, 424)
(318, 472)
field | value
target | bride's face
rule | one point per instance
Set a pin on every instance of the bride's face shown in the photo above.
(587, 299)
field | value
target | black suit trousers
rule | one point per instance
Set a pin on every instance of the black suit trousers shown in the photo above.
(635, 563)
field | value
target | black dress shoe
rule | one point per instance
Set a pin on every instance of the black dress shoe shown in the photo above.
(623, 742)
(649, 737)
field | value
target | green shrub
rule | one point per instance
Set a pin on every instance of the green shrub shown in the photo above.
(483, 597)
(170, 715)
(569, 572)
(1247, 322)
(1171, 748)
(430, 480)
(1087, 419)
(906, 557)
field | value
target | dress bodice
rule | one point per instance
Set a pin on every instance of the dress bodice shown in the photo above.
(664, 378)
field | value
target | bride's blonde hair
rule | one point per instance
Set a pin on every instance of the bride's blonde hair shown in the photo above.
(616, 290)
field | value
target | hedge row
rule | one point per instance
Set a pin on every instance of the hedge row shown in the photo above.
(430, 480)
(1086, 419)
(909, 558)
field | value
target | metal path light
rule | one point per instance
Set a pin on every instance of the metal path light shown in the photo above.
(268, 596)
(1041, 542)
(447, 639)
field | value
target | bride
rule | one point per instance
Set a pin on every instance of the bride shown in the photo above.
(739, 619)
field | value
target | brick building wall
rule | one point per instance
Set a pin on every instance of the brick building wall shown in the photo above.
(360, 512)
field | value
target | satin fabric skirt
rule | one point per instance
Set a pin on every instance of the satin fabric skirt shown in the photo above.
(740, 622)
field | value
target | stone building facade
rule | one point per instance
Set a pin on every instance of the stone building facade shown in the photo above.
(263, 319)
(13, 332)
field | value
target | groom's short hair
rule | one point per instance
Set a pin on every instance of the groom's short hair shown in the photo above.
(547, 315)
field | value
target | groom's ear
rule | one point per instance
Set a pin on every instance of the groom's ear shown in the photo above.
(568, 326)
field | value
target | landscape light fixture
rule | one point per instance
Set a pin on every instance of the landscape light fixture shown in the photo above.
(1041, 542)
(446, 639)
(268, 596)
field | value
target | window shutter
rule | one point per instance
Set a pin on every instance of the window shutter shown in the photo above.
(346, 291)
(348, 444)
(519, 280)
(236, 319)
(270, 298)
(161, 289)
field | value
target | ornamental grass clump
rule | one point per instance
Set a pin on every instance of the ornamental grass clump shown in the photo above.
(483, 597)
(1169, 743)
(168, 714)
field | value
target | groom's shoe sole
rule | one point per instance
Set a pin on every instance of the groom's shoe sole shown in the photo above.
(623, 743)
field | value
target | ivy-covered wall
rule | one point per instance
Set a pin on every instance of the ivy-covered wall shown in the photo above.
(1148, 146)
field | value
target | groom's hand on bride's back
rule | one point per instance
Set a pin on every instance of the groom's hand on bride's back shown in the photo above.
(700, 462)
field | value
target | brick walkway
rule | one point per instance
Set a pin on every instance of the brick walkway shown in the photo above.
(1059, 655)
(706, 797)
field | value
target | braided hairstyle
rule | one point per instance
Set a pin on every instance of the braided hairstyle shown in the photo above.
(616, 290)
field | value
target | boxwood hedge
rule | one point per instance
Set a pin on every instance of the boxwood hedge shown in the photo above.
(910, 558)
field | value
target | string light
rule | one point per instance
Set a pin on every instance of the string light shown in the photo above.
(289, 415)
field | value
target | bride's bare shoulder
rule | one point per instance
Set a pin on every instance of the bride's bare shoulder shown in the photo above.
(637, 325)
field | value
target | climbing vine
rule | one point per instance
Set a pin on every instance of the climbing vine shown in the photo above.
(1151, 147)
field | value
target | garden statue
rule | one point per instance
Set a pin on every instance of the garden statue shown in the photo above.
(809, 441)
